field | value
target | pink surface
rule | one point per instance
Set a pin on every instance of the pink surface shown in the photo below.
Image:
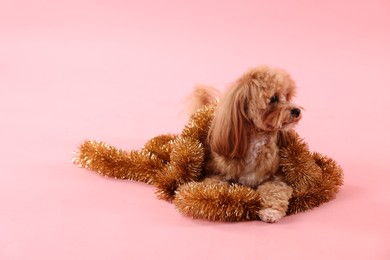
(117, 71)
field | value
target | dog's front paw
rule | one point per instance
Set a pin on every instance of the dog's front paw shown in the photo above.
(270, 215)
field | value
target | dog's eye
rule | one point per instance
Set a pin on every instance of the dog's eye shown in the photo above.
(274, 99)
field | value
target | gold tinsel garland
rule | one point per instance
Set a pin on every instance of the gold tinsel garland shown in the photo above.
(173, 163)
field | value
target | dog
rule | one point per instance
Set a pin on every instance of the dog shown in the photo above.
(243, 138)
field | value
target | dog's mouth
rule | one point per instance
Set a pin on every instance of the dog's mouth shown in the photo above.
(284, 126)
(289, 125)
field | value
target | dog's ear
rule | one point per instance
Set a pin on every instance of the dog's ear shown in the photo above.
(228, 135)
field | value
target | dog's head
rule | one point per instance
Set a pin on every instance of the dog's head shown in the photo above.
(259, 101)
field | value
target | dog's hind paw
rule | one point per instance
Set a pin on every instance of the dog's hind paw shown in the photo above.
(270, 215)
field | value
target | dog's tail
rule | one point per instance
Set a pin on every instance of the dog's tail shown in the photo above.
(202, 95)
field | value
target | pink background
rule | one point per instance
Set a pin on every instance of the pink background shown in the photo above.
(118, 70)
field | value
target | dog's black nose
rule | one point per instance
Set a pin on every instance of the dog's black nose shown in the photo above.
(295, 112)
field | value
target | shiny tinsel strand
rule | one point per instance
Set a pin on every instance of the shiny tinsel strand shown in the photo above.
(198, 126)
(315, 179)
(112, 162)
(161, 146)
(186, 161)
(217, 202)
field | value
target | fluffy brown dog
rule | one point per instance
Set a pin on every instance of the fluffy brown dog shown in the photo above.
(243, 137)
